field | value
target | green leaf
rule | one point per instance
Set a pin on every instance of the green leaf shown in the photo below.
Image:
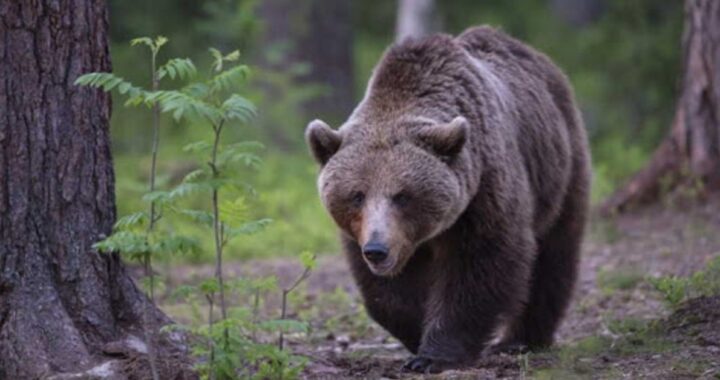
(195, 175)
(188, 188)
(160, 41)
(232, 56)
(108, 81)
(142, 40)
(183, 292)
(238, 108)
(198, 216)
(138, 219)
(217, 59)
(209, 286)
(248, 228)
(182, 68)
(133, 244)
(248, 159)
(158, 196)
(234, 212)
(307, 259)
(179, 103)
(175, 244)
(201, 146)
(229, 78)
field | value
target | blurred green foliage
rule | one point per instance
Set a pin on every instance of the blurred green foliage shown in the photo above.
(624, 66)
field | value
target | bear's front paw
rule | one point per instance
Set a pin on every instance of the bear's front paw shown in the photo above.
(421, 364)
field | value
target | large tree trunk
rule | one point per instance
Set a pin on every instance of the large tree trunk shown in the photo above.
(690, 154)
(319, 33)
(61, 302)
(578, 13)
(415, 18)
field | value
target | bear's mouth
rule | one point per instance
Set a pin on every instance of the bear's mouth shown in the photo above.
(385, 269)
(390, 267)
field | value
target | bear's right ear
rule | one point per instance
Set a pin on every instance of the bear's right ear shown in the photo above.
(446, 139)
(323, 141)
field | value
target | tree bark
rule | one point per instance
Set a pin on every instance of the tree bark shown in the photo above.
(61, 302)
(415, 18)
(690, 154)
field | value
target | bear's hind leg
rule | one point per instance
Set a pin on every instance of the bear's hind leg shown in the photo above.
(553, 280)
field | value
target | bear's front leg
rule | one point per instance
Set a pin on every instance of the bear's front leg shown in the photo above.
(474, 290)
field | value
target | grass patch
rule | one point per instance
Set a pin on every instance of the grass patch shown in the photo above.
(588, 357)
(610, 281)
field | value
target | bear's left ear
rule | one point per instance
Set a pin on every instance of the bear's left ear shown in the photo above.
(445, 139)
(322, 140)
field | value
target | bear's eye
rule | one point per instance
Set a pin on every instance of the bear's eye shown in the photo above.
(401, 199)
(357, 198)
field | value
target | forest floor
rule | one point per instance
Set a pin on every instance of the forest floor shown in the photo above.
(617, 327)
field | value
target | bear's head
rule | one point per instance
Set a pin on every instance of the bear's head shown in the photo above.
(390, 189)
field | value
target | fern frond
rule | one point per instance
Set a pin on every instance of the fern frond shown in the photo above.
(180, 104)
(234, 213)
(188, 188)
(201, 146)
(129, 243)
(108, 81)
(238, 108)
(138, 219)
(202, 217)
(142, 40)
(248, 159)
(228, 78)
(182, 68)
(247, 228)
(176, 244)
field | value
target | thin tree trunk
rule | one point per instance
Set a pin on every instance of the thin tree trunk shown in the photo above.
(415, 18)
(61, 302)
(690, 154)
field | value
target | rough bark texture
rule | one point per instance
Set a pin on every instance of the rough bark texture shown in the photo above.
(691, 151)
(61, 302)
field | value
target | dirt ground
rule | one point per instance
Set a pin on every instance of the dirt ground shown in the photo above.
(618, 326)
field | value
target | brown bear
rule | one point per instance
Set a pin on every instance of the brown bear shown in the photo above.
(460, 184)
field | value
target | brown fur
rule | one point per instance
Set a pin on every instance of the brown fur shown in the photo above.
(468, 159)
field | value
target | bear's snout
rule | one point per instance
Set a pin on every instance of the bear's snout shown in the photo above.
(375, 252)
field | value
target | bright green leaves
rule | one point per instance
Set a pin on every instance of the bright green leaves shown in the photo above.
(219, 59)
(226, 80)
(212, 100)
(308, 261)
(238, 108)
(182, 68)
(232, 340)
(153, 44)
(136, 245)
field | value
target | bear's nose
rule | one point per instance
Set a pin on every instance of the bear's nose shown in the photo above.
(375, 252)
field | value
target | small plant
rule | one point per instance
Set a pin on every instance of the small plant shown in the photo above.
(308, 261)
(704, 283)
(231, 341)
(244, 345)
(610, 281)
(135, 235)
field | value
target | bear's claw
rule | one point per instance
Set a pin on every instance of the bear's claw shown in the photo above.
(421, 364)
(417, 364)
